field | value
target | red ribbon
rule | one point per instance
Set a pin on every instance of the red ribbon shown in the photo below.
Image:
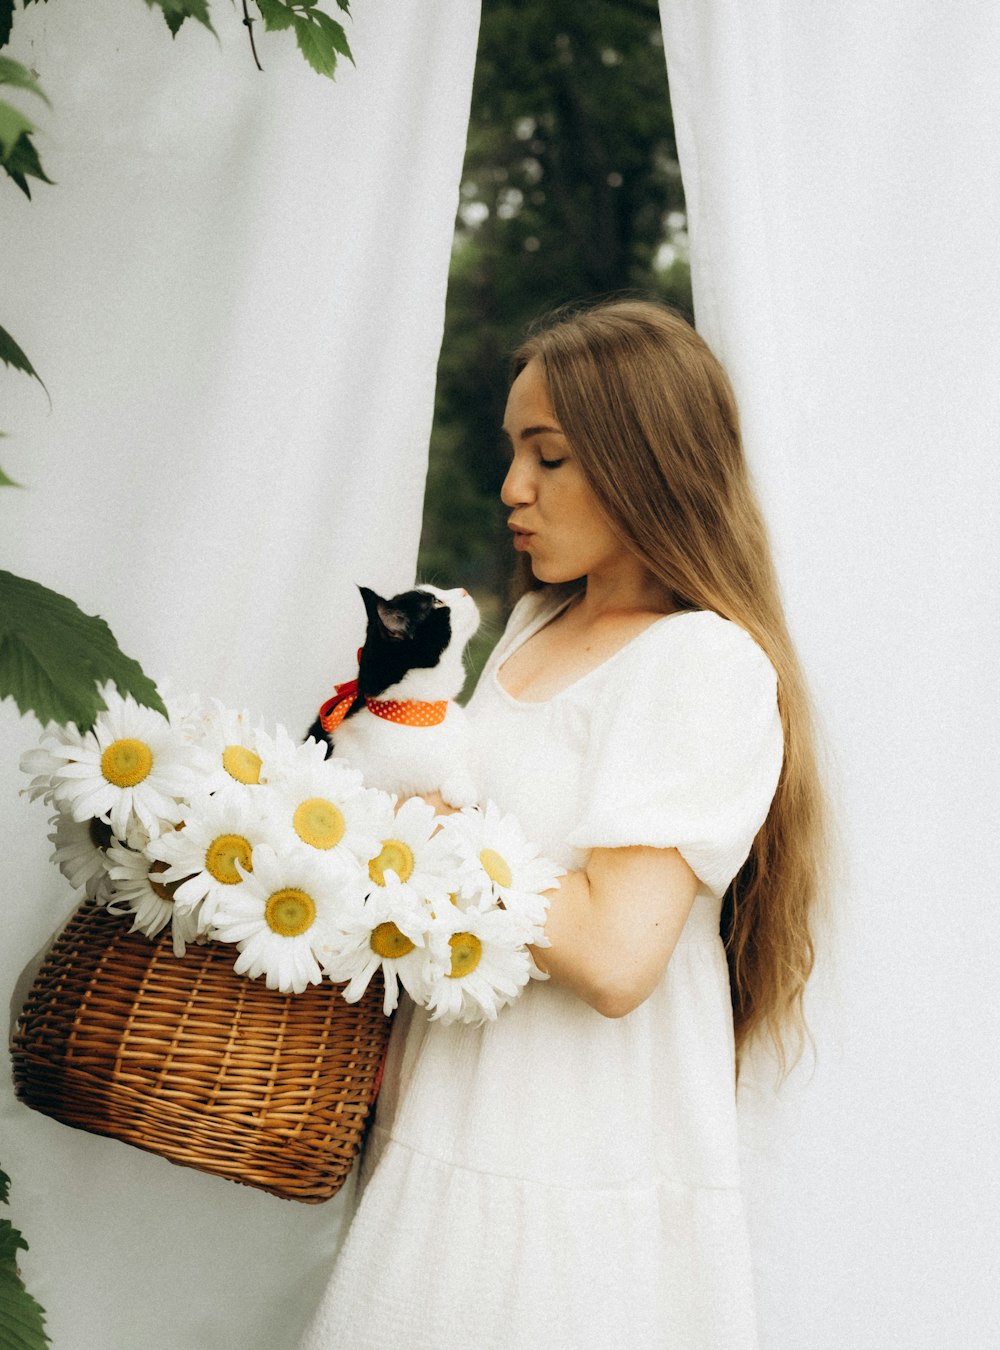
(335, 709)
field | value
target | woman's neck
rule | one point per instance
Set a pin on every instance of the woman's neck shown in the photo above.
(625, 589)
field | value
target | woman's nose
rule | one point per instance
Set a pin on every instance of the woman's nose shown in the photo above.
(516, 488)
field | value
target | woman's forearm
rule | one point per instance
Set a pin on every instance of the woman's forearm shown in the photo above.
(613, 927)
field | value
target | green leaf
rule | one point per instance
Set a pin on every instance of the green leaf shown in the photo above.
(276, 15)
(22, 1319)
(23, 163)
(20, 77)
(52, 656)
(13, 125)
(11, 355)
(336, 33)
(176, 11)
(4, 480)
(11, 1241)
(320, 38)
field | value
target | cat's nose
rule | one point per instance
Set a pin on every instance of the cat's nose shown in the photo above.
(464, 591)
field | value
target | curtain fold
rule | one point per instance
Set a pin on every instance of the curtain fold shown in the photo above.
(842, 169)
(235, 295)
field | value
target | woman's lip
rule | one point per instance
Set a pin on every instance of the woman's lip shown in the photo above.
(521, 537)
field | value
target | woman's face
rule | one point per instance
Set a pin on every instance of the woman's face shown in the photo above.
(555, 516)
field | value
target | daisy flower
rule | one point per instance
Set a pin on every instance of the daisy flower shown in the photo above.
(322, 805)
(213, 852)
(137, 887)
(421, 857)
(57, 745)
(499, 865)
(283, 916)
(388, 931)
(80, 853)
(282, 756)
(230, 746)
(488, 967)
(130, 769)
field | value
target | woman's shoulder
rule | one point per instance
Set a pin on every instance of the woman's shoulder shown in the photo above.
(699, 648)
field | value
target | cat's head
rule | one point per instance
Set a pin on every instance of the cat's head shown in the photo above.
(418, 637)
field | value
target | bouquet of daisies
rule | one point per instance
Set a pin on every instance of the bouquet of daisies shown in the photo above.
(224, 831)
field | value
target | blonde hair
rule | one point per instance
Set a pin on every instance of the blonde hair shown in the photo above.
(653, 423)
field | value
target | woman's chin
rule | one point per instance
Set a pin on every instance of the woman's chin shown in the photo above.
(551, 574)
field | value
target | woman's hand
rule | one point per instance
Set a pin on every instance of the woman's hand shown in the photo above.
(613, 927)
(439, 804)
(434, 799)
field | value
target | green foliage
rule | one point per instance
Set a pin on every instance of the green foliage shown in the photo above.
(22, 1320)
(321, 39)
(52, 656)
(571, 189)
(17, 151)
(12, 355)
(20, 160)
(176, 11)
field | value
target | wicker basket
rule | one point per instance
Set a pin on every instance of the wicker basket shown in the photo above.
(184, 1058)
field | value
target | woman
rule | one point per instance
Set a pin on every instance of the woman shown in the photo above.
(567, 1177)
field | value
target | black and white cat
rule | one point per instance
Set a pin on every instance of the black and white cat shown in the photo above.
(399, 724)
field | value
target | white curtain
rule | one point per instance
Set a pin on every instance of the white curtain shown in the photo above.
(235, 295)
(842, 169)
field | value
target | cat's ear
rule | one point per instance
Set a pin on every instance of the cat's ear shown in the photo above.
(391, 622)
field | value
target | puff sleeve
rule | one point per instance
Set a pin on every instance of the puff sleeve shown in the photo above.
(686, 749)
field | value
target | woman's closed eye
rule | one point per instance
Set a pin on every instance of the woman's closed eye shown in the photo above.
(551, 463)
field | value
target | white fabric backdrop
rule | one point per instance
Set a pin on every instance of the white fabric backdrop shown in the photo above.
(842, 169)
(235, 294)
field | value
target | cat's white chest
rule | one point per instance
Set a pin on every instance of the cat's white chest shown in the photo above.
(408, 759)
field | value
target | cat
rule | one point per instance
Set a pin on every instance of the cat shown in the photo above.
(401, 727)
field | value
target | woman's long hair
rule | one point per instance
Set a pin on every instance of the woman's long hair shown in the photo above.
(652, 420)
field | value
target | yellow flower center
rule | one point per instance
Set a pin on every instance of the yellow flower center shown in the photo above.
(242, 764)
(388, 941)
(496, 867)
(395, 857)
(466, 953)
(164, 891)
(222, 855)
(126, 763)
(290, 912)
(319, 823)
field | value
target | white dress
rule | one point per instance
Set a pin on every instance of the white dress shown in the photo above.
(557, 1180)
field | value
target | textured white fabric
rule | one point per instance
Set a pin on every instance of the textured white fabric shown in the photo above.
(235, 294)
(842, 169)
(557, 1178)
(714, 775)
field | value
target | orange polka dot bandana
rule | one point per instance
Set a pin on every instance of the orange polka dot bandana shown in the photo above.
(408, 712)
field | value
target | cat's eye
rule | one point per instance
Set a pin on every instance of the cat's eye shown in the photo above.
(437, 603)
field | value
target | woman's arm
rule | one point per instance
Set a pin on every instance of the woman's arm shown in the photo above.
(614, 926)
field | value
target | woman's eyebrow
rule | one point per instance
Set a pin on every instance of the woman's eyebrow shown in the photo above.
(527, 432)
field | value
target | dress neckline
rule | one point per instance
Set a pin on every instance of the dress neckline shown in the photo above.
(546, 617)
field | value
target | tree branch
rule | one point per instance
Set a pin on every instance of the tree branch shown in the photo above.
(249, 23)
